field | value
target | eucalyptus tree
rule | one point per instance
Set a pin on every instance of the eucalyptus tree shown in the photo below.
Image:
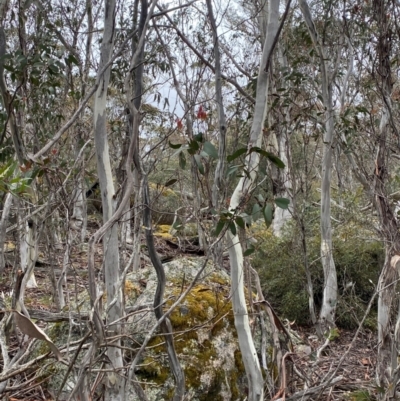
(238, 199)
(328, 72)
(110, 239)
(371, 114)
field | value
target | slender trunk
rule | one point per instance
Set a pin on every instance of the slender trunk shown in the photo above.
(329, 303)
(219, 184)
(386, 361)
(242, 191)
(110, 240)
(283, 176)
(3, 226)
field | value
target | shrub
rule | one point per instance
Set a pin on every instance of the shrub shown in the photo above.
(280, 263)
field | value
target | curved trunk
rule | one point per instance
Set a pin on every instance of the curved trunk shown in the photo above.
(242, 191)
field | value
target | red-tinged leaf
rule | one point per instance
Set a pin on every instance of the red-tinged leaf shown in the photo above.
(179, 124)
(201, 114)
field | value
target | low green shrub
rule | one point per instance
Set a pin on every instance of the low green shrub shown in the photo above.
(280, 263)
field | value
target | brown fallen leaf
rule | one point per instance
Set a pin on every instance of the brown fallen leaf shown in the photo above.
(32, 330)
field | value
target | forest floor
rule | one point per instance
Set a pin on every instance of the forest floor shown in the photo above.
(357, 368)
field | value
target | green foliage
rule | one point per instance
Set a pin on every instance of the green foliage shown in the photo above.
(11, 179)
(360, 395)
(280, 263)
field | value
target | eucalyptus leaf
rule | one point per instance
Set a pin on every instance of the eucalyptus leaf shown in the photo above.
(200, 166)
(210, 149)
(283, 203)
(268, 214)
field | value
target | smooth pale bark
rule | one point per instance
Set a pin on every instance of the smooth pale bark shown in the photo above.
(28, 249)
(219, 186)
(3, 226)
(241, 192)
(110, 240)
(284, 182)
(329, 303)
(284, 176)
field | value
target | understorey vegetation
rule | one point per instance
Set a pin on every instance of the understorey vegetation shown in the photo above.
(199, 200)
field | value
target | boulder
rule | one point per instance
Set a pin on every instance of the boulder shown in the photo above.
(205, 335)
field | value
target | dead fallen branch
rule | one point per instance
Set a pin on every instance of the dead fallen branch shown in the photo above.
(305, 394)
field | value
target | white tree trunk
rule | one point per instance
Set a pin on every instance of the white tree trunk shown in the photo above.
(284, 176)
(27, 246)
(282, 216)
(3, 226)
(329, 303)
(242, 190)
(114, 388)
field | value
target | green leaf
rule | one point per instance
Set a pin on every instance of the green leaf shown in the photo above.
(198, 137)
(177, 225)
(170, 182)
(210, 149)
(232, 227)
(249, 251)
(200, 166)
(267, 214)
(274, 159)
(232, 170)
(240, 222)
(256, 212)
(246, 218)
(219, 227)
(362, 109)
(283, 203)
(182, 161)
(193, 147)
(235, 155)
(72, 59)
(174, 146)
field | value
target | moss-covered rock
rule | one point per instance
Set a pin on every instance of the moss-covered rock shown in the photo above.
(205, 337)
(204, 333)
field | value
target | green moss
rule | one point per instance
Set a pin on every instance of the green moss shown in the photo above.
(152, 370)
(204, 304)
(206, 307)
